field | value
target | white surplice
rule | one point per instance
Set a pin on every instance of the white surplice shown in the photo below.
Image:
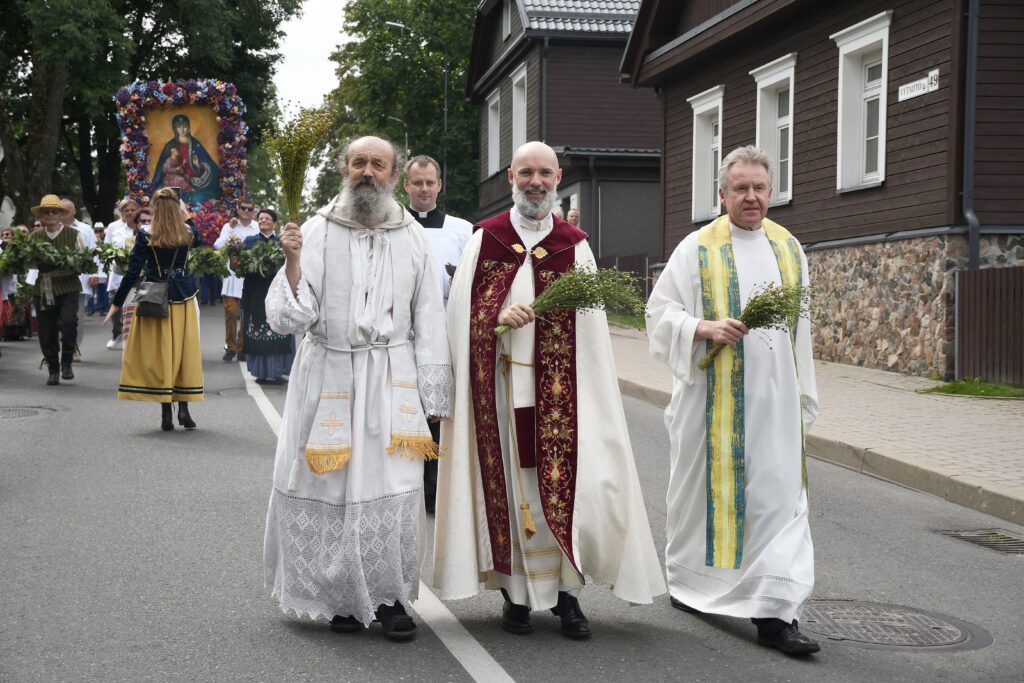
(346, 541)
(776, 576)
(611, 535)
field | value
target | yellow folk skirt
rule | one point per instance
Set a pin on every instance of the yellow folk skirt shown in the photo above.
(162, 359)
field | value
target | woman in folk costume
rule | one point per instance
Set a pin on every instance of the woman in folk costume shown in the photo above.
(162, 360)
(739, 542)
(538, 489)
(346, 517)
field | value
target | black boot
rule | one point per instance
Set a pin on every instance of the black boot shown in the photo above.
(54, 374)
(167, 417)
(515, 618)
(785, 637)
(184, 419)
(349, 624)
(574, 622)
(65, 370)
(396, 624)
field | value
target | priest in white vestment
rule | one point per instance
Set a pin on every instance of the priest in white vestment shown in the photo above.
(739, 543)
(345, 526)
(537, 489)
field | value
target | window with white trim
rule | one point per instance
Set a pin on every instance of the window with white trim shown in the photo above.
(863, 84)
(519, 107)
(493, 133)
(707, 152)
(775, 121)
(506, 18)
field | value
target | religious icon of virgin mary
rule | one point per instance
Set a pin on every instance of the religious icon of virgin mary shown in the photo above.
(185, 164)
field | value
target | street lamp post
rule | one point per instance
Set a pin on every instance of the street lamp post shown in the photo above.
(444, 139)
(406, 128)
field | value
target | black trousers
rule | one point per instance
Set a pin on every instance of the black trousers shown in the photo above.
(430, 467)
(58, 329)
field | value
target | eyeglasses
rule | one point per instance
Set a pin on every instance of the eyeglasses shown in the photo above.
(52, 212)
(245, 208)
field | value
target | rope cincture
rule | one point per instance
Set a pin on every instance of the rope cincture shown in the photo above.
(529, 527)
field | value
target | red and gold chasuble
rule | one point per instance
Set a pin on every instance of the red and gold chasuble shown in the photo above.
(547, 434)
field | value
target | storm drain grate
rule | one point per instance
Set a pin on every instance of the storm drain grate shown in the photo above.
(896, 627)
(997, 539)
(14, 412)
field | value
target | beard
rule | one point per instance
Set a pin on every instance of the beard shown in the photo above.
(367, 199)
(535, 209)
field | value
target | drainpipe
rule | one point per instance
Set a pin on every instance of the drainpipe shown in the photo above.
(544, 91)
(593, 202)
(970, 95)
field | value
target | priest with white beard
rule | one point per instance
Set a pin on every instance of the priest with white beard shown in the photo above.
(739, 543)
(345, 526)
(537, 490)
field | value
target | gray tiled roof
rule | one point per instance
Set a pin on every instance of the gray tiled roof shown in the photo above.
(588, 16)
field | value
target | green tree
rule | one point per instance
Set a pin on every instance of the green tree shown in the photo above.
(61, 62)
(390, 83)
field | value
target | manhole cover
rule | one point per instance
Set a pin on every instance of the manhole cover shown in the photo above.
(870, 624)
(14, 412)
(997, 539)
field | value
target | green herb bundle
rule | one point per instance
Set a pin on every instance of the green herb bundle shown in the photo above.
(291, 150)
(264, 258)
(770, 306)
(588, 289)
(207, 261)
(24, 253)
(109, 256)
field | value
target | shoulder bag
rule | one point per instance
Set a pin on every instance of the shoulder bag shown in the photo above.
(151, 298)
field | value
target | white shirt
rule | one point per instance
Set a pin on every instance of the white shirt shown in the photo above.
(232, 283)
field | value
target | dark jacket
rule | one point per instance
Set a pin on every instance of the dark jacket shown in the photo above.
(154, 263)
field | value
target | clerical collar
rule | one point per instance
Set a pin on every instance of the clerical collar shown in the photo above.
(739, 227)
(429, 219)
(525, 223)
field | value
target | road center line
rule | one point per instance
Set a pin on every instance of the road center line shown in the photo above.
(466, 649)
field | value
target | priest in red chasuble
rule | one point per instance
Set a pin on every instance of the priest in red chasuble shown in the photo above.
(537, 489)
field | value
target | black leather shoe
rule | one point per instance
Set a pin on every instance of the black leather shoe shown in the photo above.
(785, 637)
(229, 356)
(515, 618)
(184, 419)
(340, 624)
(54, 377)
(66, 372)
(396, 624)
(166, 417)
(574, 622)
(680, 605)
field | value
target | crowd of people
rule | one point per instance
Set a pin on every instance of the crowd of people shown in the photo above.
(399, 368)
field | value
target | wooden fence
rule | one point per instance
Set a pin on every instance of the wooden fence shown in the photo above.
(990, 324)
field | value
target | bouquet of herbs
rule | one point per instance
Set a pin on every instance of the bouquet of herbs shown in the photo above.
(111, 256)
(264, 258)
(24, 253)
(587, 289)
(770, 306)
(291, 150)
(207, 261)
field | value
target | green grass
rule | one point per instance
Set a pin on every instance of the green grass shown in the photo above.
(972, 386)
(635, 321)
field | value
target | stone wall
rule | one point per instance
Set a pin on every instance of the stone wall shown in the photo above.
(890, 305)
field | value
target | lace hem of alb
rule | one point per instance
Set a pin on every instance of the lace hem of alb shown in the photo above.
(324, 559)
(437, 387)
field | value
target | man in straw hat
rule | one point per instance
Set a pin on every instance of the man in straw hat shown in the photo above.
(57, 292)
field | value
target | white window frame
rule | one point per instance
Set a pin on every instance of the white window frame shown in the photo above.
(519, 106)
(860, 45)
(771, 79)
(506, 18)
(493, 132)
(707, 110)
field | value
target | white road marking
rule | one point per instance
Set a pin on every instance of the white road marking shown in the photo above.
(466, 649)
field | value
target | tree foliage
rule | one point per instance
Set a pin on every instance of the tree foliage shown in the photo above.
(61, 62)
(391, 83)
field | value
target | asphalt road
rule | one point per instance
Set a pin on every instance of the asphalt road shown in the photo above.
(128, 554)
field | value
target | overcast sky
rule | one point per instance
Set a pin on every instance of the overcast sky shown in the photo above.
(306, 73)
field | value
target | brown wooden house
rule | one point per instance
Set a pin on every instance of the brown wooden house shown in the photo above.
(549, 70)
(896, 130)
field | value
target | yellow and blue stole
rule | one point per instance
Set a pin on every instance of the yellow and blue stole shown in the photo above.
(726, 460)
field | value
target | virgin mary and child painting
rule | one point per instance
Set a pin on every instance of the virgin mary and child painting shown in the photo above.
(185, 164)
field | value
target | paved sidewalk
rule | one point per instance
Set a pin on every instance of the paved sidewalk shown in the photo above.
(967, 450)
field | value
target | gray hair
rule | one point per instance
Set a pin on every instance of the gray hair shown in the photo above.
(397, 158)
(744, 155)
(423, 160)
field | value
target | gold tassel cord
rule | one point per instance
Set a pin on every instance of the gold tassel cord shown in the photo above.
(529, 528)
(413, 447)
(324, 459)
